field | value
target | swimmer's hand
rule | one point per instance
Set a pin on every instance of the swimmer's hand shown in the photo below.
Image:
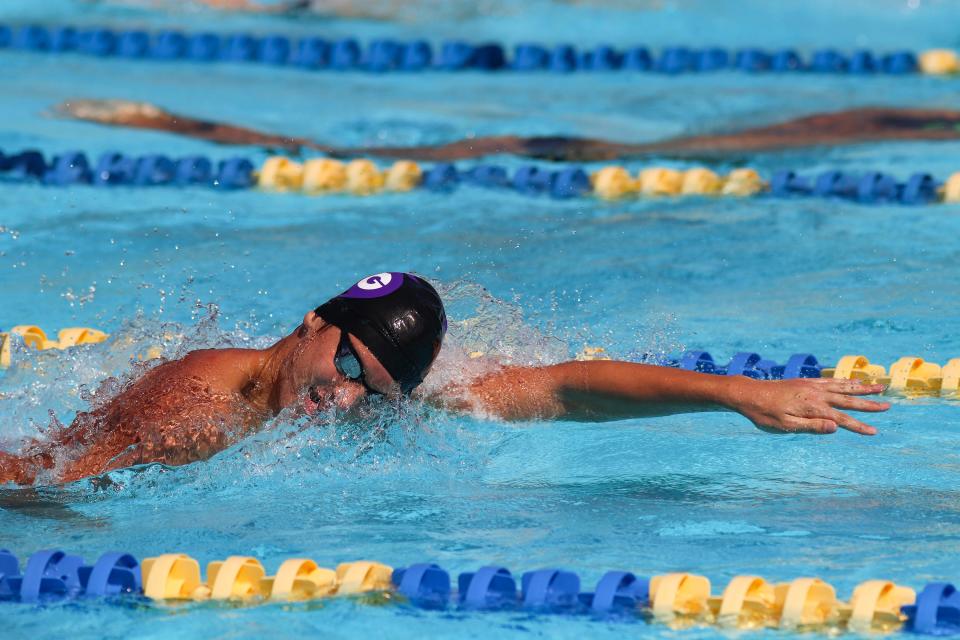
(805, 405)
(611, 390)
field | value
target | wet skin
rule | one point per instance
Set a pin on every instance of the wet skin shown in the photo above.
(187, 410)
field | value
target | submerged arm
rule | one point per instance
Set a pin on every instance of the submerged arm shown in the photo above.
(610, 390)
(844, 127)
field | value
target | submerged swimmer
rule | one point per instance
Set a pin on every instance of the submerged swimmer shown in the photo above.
(868, 124)
(380, 337)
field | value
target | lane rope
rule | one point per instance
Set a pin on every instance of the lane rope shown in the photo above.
(362, 177)
(387, 55)
(675, 599)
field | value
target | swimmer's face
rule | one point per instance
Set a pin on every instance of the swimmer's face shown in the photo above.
(310, 374)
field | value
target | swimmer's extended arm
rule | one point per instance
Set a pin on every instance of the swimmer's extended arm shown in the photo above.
(856, 125)
(610, 390)
(256, 7)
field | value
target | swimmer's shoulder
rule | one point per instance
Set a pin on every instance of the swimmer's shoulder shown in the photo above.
(231, 368)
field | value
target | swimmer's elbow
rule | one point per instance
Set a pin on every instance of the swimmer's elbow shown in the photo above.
(561, 391)
(517, 394)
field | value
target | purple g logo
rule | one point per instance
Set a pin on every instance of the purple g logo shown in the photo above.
(374, 282)
(375, 286)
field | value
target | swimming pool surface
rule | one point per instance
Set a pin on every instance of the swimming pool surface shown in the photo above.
(531, 278)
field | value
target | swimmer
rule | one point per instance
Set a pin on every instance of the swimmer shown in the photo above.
(257, 6)
(380, 338)
(387, 10)
(383, 10)
(870, 124)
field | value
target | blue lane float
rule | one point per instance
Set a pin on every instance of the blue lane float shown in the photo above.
(550, 589)
(48, 575)
(117, 169)
(384, 55)
(752, 365)
(426, 585)
(617, 591)
(55, 575)
(936, 612)
(113, 574)
(441, 177)
(872, 187)
(487, 588)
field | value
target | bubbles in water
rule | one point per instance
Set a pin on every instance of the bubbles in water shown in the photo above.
(80, 299)
(485, 333)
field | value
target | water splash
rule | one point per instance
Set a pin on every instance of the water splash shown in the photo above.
(45, 389)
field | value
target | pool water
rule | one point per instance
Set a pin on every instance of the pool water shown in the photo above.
(532, 279)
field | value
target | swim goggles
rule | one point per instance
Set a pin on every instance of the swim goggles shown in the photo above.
(348, 363)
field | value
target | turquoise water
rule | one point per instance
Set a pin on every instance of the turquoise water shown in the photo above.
(533, 279)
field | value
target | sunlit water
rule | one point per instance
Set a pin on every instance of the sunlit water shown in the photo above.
(530, 279)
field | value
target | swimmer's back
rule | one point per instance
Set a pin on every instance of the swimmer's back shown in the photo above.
(178, 412)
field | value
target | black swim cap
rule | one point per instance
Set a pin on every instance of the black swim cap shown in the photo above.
(398, 316)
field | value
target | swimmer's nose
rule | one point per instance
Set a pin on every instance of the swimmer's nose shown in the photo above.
(343, 396)
(348, 395)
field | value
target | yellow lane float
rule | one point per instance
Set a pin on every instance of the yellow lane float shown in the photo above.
(35, 338)
(743, 183)
(237, 577)
(916, 375)
(280, 174)
(679, 595)
(363, 177)
(74, 336)
(659, 181)
(950, 382)
(875, 606)
(176, 576)
(806, 602)
(611, 183)
(403, 175)
(323, 175)
(748, 602)
(939, 62)
(855, 368)
(172, 576)
(910, 375)
(951, 189)
(360, 577)
(299, 579)
(700, 181)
